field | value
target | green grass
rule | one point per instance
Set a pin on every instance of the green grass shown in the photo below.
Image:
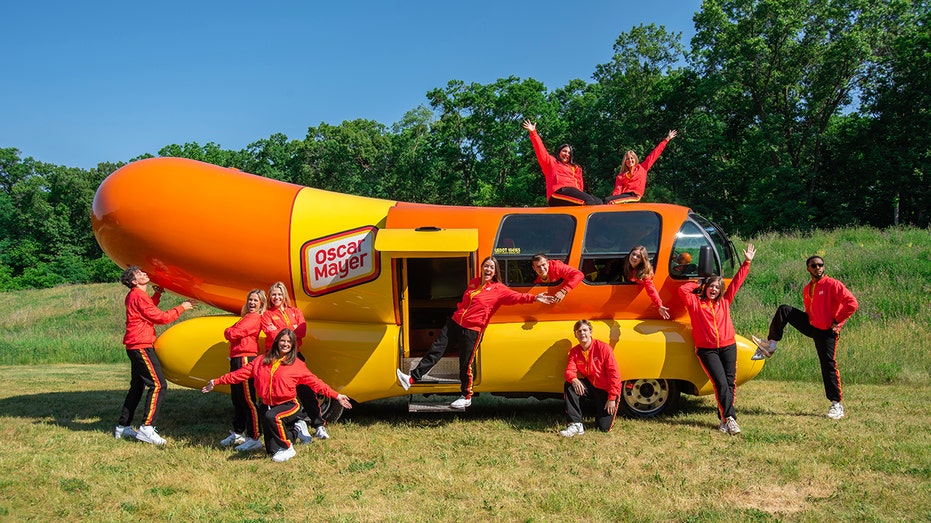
(889, 272)
(500, 461)
(70, 324)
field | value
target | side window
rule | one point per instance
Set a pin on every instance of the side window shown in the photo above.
(689, 241)
(609, 237)
(723, 248)
(520, 236)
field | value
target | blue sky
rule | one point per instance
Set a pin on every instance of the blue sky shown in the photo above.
(89, 82)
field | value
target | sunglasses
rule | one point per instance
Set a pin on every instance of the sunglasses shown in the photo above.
(816, 265)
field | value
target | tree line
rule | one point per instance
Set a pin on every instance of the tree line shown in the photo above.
(791, 116)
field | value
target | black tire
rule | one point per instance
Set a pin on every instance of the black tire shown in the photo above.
(648, 398)
(330, 409)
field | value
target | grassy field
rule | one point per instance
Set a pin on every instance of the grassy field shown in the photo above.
(63, 374)
(500, 461)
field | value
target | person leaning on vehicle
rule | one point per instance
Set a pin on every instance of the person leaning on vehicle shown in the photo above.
(550, 271)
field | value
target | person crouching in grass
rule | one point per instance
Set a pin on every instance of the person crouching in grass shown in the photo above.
(277, 375)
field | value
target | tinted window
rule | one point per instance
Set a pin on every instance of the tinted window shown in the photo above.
(609, 237)
(520, 236)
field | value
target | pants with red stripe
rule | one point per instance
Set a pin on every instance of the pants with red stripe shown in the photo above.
(245, 409)
(626, 197)
(566, 196)
(278, 425)
(145, 372)
(825, 344)
(720, 365)
(599, 399)
(452, 334)
(309, 403)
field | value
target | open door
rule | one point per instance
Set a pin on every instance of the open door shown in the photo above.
(433, 267)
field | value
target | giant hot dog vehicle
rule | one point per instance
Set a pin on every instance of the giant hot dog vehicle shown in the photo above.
(376, 280)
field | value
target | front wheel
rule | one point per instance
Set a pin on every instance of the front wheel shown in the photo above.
(330, 409)
(648, 398)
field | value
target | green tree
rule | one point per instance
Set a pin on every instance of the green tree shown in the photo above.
(353, 157)
(275, 157)
(482, 148)
(898, 102)
(776, 72)
(210, 153)
(632, 106)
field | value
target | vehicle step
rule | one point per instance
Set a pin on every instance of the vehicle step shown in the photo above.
(445, 371)
(431, 407)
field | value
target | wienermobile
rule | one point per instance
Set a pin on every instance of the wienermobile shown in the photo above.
(376, 280)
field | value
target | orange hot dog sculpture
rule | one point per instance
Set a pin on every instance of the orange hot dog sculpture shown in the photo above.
(377, 278)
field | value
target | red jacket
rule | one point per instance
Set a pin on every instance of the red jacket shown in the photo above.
(636, 181)
(479, 303)
(711, 320)
(559, 270)
(276, 320)
(276, 383)
(556, 173)
(142, 314)
(827, 302)
(244, 335)
(651, 290)
(600, 368)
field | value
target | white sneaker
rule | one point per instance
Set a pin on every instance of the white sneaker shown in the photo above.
(404, 380)
(574, 429)
(232, 440)
(124, 432)
(302, 433)
(723, 427)
(249, 445)
(836, 411)
(461, 403)
(732, 426)
(322, 433)
(284, 455)
(147, 434)
(765, 348)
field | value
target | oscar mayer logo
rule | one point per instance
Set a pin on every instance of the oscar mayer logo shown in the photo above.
(338, 261)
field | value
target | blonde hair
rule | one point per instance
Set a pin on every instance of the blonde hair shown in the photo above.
(263, 302)
(286, 301)
(624, 167)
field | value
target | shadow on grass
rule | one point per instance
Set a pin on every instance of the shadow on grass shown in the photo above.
(203, 419)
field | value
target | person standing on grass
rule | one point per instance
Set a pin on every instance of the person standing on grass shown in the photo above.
(551, 271)
(281, 315)
(481, 299)
(828, 306)
(591, 373)
(244, 347)
(277, 375)
(564, 185)
(709, 307)
(142, 314)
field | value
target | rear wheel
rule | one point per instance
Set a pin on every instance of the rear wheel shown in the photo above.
(648, 398)
(330, 409)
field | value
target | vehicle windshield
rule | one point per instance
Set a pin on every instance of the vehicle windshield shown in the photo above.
(695, 233)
